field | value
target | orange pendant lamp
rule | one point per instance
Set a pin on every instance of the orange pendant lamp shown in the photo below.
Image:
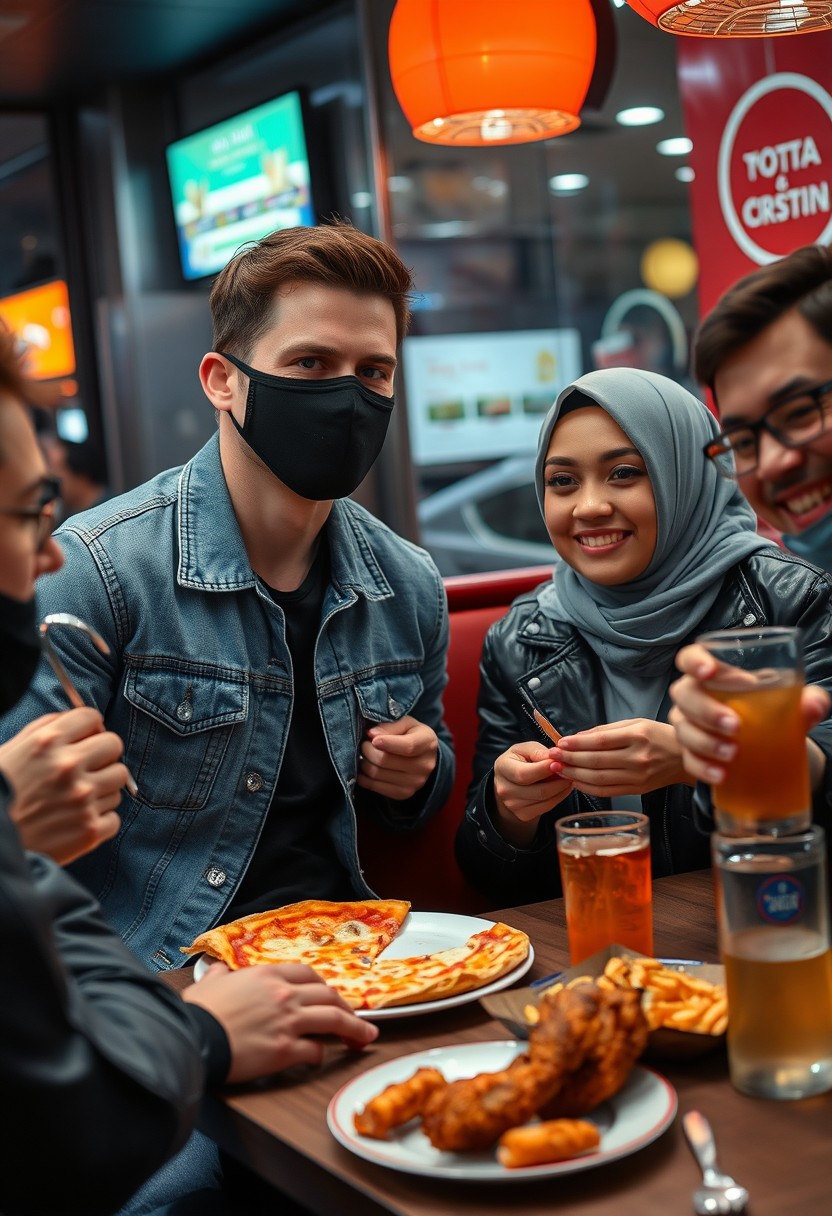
(736, 18)
(491, 71)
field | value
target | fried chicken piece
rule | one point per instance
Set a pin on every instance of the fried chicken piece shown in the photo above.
(618, 1037)
(474, 1112)
(398, 1104)
(540, 1143)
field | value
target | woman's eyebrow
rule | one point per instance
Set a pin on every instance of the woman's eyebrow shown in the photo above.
(613, 454)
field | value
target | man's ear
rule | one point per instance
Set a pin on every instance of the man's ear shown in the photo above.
(220, 381)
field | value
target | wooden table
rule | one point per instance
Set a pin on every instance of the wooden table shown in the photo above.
(779, 1150)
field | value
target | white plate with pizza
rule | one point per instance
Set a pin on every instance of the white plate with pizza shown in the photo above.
(387, 961)
(627, 1122)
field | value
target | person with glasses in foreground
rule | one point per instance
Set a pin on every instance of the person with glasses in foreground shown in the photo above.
(102, 1065)
(65, 767)
(655, 548)
(765, 352)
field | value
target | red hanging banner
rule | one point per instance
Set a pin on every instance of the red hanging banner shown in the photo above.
(759, 112)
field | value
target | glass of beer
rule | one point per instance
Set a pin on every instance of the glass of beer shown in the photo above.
(766, 788)
(773, 913)
(604, 861)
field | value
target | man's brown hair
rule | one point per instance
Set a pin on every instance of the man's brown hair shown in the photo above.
(242, 298)
(802, 280)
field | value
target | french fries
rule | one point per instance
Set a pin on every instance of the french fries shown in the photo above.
(671, 998)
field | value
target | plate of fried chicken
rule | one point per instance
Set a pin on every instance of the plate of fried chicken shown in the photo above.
(570, 1099)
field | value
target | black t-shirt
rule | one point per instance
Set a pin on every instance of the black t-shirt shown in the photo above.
(295, 857)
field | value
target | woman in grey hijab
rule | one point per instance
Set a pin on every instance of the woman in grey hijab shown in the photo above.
(655, 548)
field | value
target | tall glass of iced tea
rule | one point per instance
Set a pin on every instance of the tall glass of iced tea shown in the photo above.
(773, 914)
(605, 871)
(760, 677)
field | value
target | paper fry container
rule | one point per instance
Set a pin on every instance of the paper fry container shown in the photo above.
(665, 1042)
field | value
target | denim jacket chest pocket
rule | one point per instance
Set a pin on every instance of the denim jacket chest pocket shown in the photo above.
(180, 721)
(386, 697)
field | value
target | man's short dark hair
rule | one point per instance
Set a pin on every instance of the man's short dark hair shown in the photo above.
(334, 254)
(802, 280)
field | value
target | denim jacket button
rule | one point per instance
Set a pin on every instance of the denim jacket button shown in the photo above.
(533, 627)
(215, 877)
(749, 619)
(254, 782)
(534, 682)
(184, 711)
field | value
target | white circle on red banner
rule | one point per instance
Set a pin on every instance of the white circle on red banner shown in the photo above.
(775, 195)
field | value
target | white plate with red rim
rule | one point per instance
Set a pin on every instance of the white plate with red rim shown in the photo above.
(427, 933)
(636, 1116)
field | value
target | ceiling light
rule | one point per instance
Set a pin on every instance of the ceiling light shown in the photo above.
(639, 116)
(568, 183)
(678, 145)
(684, 174)
(736, 18)
(471, 74)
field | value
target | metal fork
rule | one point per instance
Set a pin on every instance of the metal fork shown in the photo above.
(720, 1195)
(75, 699)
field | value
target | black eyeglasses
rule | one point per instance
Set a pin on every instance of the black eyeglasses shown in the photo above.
(793, 422)
(43, 513)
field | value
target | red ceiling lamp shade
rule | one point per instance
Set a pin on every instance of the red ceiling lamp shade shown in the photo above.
(737, 18)
(491, 71)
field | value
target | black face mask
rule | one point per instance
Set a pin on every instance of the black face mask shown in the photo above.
(19, 649)
(319, 437)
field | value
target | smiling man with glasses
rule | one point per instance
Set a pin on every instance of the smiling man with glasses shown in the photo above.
(765, 351)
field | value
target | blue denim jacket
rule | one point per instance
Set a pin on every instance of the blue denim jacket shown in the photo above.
(198, 683)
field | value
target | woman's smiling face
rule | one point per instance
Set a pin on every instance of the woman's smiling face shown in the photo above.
(598, 502)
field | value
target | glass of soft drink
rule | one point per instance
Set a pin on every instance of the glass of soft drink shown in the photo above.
(766, 788)
(604, 861)
(773, 914)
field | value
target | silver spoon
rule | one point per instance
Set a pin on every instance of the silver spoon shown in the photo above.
(719, 1195)
(75, 622)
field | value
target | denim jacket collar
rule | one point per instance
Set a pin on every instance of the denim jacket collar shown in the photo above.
(212, 555)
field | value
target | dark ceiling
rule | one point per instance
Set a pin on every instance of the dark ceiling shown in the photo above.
(60, 50)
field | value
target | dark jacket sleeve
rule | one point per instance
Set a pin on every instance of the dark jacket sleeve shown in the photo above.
(101, 1066)
(504, 874)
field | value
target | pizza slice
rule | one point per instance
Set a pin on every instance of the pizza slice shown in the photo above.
(486, 956)
(318, 932)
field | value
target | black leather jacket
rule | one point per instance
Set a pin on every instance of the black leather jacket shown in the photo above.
(553, 663)
(102, 1065)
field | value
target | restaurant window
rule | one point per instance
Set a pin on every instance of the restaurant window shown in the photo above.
(535, 263)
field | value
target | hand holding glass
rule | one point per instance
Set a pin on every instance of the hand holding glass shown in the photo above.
(766, 788)
(604, 861)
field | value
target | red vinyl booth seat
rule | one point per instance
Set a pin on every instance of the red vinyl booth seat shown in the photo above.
(421, 866)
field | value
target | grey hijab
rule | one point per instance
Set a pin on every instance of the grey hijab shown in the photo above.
(704, 528)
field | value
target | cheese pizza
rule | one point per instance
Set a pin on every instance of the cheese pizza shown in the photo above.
(344, 942)
(314, 931)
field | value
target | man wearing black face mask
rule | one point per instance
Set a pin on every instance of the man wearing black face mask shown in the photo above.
(101, 1064)
(277, 654)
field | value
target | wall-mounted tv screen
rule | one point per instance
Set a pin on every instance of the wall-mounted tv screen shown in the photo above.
(238, 180)
(39, 317)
